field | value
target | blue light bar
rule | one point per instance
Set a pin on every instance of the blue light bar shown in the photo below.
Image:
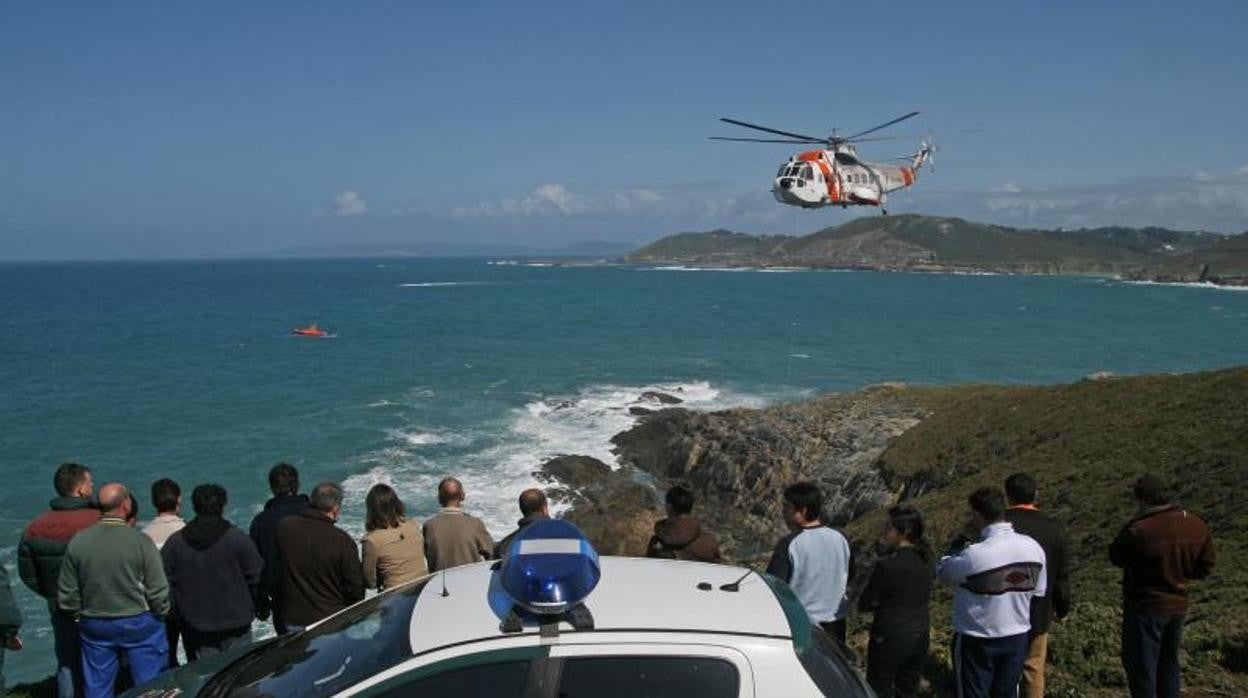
(550, 567)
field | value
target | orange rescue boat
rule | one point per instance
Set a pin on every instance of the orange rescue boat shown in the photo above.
(309, 331)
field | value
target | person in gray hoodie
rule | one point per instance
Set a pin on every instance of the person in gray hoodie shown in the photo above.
(214, 570)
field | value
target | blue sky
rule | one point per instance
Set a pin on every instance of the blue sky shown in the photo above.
(156, 129)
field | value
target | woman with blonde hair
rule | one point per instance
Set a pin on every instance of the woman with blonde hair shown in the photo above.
(394, 548)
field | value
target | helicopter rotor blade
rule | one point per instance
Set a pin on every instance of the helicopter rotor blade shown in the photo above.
(883, 125)
(765, 140)
(756, 127)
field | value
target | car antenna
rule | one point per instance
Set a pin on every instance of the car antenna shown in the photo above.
(444, 591)
(736, 585)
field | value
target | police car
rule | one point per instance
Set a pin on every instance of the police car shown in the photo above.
(550, 619)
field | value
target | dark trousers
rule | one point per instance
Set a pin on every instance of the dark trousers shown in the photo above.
(1150, 653)
(201, 644)
(141, 639)
(894, 661)
(68, 655)
(837, 629)
(988, 667)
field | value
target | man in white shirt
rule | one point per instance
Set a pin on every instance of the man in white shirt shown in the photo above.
(167, 499)
(996, 578)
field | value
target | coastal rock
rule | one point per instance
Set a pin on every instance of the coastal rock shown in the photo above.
(639, 411)
(738, 461)
(660, 398)
(614, 510)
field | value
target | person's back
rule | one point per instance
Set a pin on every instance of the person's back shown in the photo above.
(213, 570)
(112, 580)
(111, 571)
(320, 572)
(899, 592)
(680, 536)
(814, 559)
(453, 537)
(393, 556)
(533, 507)
(167, 498)
(286, 501)
(1160, 552)
(683, 538)
(996, 579)
(1025, 515)
(45, 538)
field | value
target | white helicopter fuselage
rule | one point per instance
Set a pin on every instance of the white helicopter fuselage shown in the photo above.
(819, 178)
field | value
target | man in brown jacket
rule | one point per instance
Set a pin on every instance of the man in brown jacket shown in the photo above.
(321, 572)
(454, 538)
(680, 536)
(1160, 551)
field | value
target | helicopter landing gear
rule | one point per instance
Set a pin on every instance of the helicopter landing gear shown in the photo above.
(883, 211)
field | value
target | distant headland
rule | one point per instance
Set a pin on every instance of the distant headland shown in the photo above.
(915, 243)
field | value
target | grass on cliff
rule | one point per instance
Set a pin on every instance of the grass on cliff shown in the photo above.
(1085, 443)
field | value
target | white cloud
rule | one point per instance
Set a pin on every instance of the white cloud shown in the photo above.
(1243, 171)
(1206, 201)
(557, 200)
(348, 202)
(1009, 188)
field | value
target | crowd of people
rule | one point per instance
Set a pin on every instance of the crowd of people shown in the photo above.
(122, 597)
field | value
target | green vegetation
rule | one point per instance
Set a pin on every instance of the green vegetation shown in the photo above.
(716, 244)
(928, 243)
(1085, 443)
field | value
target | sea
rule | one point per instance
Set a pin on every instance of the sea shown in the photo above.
(484, 368)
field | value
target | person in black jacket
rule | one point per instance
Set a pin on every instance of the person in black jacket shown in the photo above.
(214, 572)
(898, 593)
(1020, 491)
(321, 572)
(284, 483)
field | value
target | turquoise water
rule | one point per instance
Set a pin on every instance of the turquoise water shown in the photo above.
(187, 370)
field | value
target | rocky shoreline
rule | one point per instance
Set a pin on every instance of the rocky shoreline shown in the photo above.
(736, 462)
(929, 446)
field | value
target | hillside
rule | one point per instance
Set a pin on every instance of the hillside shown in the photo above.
(927, 243)
(1084, 442)
(721, 245)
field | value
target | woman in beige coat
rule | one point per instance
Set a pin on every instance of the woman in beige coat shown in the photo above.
(394, 548)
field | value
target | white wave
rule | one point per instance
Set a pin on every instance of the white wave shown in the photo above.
(440, 284)
(380, 403)
(800, 356)
(496, 467)
(418, 438)
(1192, 284)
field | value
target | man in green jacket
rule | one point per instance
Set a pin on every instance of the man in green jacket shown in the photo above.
(10, 622)
(39, 563)
(113, 581)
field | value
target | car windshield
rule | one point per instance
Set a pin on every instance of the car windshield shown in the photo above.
(364, 640)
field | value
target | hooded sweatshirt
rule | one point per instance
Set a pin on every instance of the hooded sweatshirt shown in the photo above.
(214, 571)
(682, 537)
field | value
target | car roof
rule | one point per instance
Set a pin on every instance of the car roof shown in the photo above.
(634, 594)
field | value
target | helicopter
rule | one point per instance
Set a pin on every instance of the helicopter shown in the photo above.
(834, 175)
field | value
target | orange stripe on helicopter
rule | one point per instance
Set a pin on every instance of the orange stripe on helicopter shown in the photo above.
(907, 176)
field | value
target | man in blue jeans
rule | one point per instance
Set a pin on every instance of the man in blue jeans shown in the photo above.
(996, 579)
(113, 581)
(1160, 552)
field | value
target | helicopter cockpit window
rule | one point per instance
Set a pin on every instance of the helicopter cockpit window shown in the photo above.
(846, 159)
